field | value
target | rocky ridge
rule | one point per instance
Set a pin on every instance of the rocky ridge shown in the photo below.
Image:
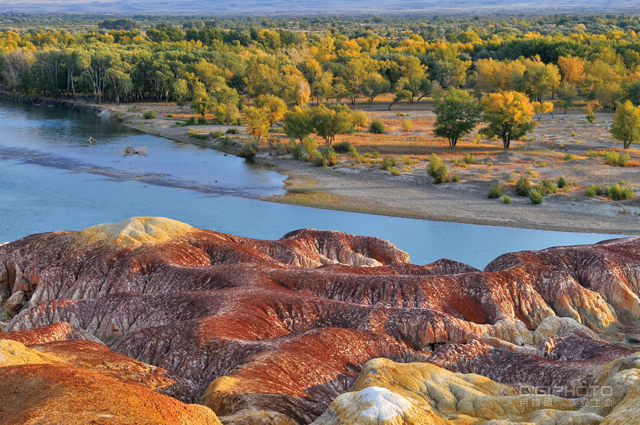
(277, 331)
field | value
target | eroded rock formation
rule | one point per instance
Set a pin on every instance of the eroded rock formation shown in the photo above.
(275, 331)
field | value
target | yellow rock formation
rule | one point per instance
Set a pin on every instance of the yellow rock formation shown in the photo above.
(135, 232)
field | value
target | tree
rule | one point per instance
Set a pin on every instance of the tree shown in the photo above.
(202, 103)
(508, 115)
(632, 92)
(540, 79)
(354, 74)
(257, 120)
(626, 124)
(566, 96)
(572, 69)
(374, 85)
(400, 96)
(274, 105)
(328, 122)
(457, 114)
(298, 124)
(541, 108)
(180, 91)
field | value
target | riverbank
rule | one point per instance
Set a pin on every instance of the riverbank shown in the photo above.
(367, 189)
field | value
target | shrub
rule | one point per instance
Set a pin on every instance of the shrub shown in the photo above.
(506, 199)
(330, 155)
(573, 133)
(407, 125)
(342, 147)
(202, 121)
(135, 108)
(622, 182)
(118, 116)
(495, 192)
(531, 173)
(535, 197)
(376, 154)
(191, 121)
(469, 159)
(546, 187)
(296, 149)
(150, 114)
(437, 169)
(569, 157)
(232, 131)
(388, 164)
(216, 134)
(614, 158)
(542, 164)
(523, 186)
(395, 172)
(619, 193)
(593, 190)
(377, 126)
(563, 182)
(511, 178)
(359, 119)
(455, 178)
(249, 151)
(489, 164)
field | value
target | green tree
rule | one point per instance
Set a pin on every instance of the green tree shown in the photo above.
(329, 122)
(508, 115)
(180, 92)
(400, 96)
(457, 114)
(374, 85)
(626, 124)
(566, 96)
(202, 103)
(298, 124)
(632, 92)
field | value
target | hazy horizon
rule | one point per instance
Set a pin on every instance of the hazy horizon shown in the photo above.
(283, 7)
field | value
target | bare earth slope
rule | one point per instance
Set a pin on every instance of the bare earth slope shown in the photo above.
(277, 331)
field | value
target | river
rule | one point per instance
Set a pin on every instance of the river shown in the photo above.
(53, 178)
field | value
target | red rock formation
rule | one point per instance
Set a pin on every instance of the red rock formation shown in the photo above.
(283, 327)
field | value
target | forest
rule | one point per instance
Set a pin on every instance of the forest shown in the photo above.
(229, 66)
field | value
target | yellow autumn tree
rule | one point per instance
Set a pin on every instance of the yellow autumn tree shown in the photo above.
(508, 116)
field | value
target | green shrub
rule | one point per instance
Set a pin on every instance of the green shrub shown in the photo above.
(296, 150)
(376, 126)
(619, 193)
(523, 186)
(407, 125)
(489, 164)
(359, 119)
(546, 187)
(506, 199)
(573, 134)
(376, 154)
(614, 158)
(469, 159)
(135, 108)
(150, 114)
(593, 190)
(563, 182)
(118, 116)
(202, 121)
(622, 182)
(437, 169)
(455, 178)
(191, 121)
(535, 196)
(342, 147)
(216, 134)
(388, 164)
(542, 164)
(395, 172)
(511, 178)
(249, 150)
(330, 156)
(495, 192)
(232, 131)
(569, 157)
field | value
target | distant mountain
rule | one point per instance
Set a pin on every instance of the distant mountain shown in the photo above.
(260, 7)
